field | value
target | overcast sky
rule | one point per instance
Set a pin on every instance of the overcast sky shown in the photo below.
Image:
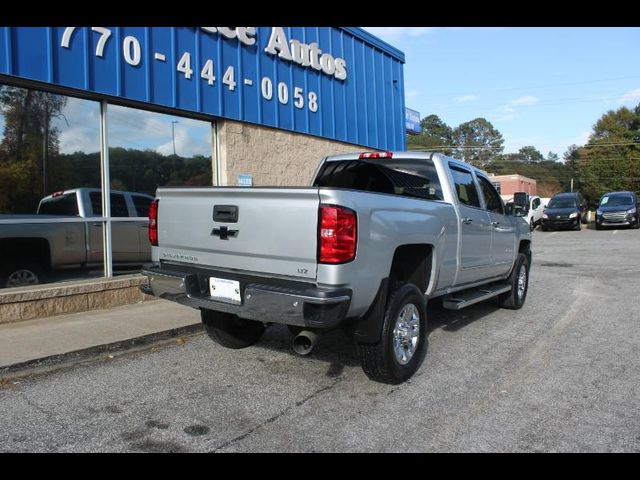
(544, 87)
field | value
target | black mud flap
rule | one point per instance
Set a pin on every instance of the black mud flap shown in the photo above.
(369, 326)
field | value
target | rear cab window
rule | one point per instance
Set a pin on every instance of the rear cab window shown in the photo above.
(65, 204)
(405, 177)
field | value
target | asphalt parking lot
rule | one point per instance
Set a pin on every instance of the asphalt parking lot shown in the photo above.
(562, 374)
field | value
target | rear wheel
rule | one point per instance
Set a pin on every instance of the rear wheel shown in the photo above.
(230, 330)
(403, 342)
(21, 274)
(519, 281)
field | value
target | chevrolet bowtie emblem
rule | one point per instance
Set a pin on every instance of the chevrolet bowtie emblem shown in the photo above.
(224, 233)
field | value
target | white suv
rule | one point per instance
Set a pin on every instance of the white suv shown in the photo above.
(534, 212)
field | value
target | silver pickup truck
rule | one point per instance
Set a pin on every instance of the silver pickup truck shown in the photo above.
(365, 247)
(66, 233)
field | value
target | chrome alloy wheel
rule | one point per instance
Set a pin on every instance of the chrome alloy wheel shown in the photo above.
(21, 278)
(522, 281)
(406, 333)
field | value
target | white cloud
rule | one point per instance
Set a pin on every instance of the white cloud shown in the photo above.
(631, 98)
(186, 144)
(411, 94)
(509, 111)
(391, 34)
(464, 98)
(526, 100)
(79, 139)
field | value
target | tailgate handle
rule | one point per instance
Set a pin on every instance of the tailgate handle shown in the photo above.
(225, 213)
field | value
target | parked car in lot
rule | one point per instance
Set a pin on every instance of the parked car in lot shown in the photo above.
(534, 210)
(617, 209)
(65, 234)
(565, 211)
(364, 247)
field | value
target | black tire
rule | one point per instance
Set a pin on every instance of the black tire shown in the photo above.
(598, 226)
(21, 274)
(231, 331)
(578, 227)
(637, 224)
(532, 225)
(544, 229)
(515, 298)
(379, 361)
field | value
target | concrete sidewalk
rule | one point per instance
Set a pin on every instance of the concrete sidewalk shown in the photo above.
(53, 340)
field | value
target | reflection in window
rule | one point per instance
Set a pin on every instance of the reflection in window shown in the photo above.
(49, 147)
(148, 150)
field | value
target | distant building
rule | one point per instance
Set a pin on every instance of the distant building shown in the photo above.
(507, 185)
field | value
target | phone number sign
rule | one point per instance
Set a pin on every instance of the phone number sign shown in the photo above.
(304, 79)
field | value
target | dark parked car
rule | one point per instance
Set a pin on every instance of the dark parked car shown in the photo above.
(617, 209)
(565, 211)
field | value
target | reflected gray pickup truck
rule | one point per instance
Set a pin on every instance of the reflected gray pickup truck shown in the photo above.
(65, 234)
(364, 247)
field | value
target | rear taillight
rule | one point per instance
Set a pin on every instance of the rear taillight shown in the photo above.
(153, 223)
(337, 234)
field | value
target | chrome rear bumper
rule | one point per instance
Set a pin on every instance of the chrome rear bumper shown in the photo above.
(304, 307)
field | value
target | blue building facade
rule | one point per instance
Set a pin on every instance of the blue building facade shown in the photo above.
(339, 83)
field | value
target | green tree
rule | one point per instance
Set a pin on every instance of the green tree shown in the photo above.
(553, 157)
(531, 154)
(611, 158)
(477, 142)
(435, 136)
(29, 143)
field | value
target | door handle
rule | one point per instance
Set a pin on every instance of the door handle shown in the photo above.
(495, 224)
(467, 220)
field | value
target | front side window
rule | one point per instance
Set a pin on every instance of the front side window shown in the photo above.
(491, 197)
(465, 187)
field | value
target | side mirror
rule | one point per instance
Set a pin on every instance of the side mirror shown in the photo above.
(520, 203)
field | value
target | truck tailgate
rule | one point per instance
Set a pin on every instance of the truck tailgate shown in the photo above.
(275, 231)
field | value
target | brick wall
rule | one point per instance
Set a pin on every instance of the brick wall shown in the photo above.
(272, 157)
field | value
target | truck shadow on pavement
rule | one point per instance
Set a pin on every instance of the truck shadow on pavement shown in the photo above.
(454, 320)
(334, 347)
(339, 350)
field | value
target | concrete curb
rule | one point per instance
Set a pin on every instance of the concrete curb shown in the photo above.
(86, 355)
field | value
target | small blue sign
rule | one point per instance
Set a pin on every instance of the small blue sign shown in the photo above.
(412, 121)
(245, 180)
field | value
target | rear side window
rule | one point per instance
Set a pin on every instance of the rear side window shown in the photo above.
(465, 187)
(118, 204)
(142, 205)
(60, 205)
(410, 178)
(536, 203)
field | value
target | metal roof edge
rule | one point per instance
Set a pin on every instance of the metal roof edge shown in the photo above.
(375, 41)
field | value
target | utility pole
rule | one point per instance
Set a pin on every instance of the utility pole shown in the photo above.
(173, 135)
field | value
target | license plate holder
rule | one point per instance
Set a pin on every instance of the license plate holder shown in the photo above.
(225, 290)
